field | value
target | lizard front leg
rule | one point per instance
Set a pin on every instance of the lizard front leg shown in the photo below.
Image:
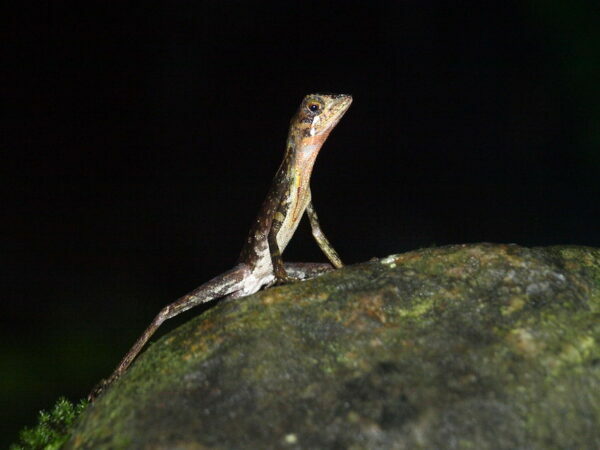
(281, 274)
(320, 237)
(299, 273)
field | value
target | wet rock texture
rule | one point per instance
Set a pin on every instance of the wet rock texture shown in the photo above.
(469, 346)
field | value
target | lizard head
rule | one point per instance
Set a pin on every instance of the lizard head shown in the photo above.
(319, 113)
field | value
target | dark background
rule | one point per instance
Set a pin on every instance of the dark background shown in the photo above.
(141, 140)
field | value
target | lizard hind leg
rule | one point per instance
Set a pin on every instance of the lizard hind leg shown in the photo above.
(223, 285)
(306, 271)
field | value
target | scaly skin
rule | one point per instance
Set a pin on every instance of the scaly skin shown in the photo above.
(260, 263)
(290, 194)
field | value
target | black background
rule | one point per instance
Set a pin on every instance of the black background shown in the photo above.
(141, 139)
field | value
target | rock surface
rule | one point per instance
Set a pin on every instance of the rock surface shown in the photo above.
(469, 346)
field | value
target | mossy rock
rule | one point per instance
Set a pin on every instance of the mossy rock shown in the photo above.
(469, 346)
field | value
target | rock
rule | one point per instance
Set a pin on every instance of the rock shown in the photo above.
(469, 346)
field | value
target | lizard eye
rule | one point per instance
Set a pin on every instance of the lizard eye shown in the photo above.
(314, 107)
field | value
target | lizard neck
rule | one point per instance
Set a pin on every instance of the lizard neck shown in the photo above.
(289, 194)
(302, 151)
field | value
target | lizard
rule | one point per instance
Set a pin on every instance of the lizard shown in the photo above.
(260, 263)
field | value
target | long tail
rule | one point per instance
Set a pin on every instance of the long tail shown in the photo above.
(225, 284)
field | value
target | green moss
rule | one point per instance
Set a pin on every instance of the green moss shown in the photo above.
(486, 346)
(53, 428)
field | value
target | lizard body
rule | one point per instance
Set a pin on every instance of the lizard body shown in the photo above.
(260, 263)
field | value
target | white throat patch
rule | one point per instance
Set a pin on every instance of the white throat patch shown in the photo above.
(315, 122)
